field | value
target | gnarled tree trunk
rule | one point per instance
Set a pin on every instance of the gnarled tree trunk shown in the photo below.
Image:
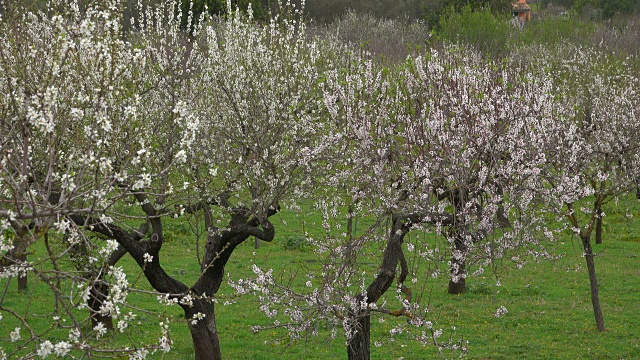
(220, 245)
(204, 331)
(359, 345)
(195, 301)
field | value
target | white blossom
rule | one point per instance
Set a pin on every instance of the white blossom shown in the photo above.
(501, 311)
(62, 348)
(45, 349)
(15, 335)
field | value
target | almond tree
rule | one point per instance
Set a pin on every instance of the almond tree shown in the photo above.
(460, 158)
(259, 139)
(594, 147)
(484, 153)
(67, 80)
(441, 145)
(252, 138)
(69, 100)
(112, 131)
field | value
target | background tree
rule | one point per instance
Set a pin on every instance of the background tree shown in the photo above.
(593, 147)
(482, 165)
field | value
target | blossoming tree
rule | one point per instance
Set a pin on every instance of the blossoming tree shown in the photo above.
(116, 129)
(67, 103)
(594, 148)
(442, 145)
(458, 155)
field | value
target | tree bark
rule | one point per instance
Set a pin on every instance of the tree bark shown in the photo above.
(204, 332)
(97, 296)
(458, 269)
(593, 281)
(599, 224)
(19, 255)
(218, 249)
(459, 287)
(359, 345)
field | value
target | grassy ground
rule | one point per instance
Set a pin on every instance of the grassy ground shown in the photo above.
(549, 308)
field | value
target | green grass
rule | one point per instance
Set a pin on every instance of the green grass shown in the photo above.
(549, 308)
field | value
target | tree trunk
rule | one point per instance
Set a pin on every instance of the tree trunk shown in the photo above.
(460, 287)
(599, 224)
(501, 216)
(457, 270)
(97, 295)
(599, 231)
(18, 255)
(350, 233)
(591, 267)
(359, 345)
(99, 290)
(204, 332)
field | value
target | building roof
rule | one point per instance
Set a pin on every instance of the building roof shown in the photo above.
(520, 6)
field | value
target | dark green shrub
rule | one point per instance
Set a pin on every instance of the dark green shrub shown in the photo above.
(481, 29)
(296, 243)
(612, 7)
(552, 30)
(260, 8)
